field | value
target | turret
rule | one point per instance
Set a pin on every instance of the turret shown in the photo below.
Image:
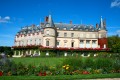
(102, 41)
(49, 33)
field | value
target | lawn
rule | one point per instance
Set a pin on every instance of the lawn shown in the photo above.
(51, 61)
(61, 77)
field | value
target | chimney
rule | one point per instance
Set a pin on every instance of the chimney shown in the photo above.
(70, 22)
(104, 23)
(46, 19)
(97, 25)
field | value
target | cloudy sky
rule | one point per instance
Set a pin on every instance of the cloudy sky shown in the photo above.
(15, 14)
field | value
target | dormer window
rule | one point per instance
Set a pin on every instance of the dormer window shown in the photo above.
(71, 28)
(64, 28)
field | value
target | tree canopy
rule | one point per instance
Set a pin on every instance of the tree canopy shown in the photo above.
(114, 43)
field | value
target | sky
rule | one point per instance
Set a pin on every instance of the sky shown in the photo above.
(15, 14)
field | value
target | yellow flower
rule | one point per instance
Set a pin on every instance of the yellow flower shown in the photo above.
(63, 66)
(67, 68)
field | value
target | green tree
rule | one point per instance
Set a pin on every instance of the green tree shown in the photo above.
(114, 43)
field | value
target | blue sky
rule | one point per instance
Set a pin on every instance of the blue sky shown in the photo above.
(15, 14)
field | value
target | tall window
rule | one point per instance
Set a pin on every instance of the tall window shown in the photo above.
(72, 44)
(72, 34)
(65, 44)
(57, 43)
(65, 34)
(81, 41)
(94, 42)
(58, 34)
(47, 43)
(87, 41)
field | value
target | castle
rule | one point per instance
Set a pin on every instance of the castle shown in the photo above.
(31, 40)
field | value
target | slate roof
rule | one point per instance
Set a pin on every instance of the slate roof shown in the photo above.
(61, 26)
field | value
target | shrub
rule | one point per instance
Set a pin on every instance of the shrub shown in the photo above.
(116, 66)
(88, 63)
(75, 63)
(103, 63)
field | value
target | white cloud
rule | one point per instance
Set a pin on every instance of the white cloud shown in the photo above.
(115, 3)
(5, 19)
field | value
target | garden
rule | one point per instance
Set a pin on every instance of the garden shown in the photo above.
(72, 67)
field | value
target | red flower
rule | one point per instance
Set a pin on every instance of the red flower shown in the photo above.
(86, 72)
(42, 74)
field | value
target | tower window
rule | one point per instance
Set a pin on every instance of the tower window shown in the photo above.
(47, 43)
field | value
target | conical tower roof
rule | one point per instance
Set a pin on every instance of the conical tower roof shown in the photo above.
(50, 22)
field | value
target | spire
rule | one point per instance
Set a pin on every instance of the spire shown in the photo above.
(50, 21)
(101, 22)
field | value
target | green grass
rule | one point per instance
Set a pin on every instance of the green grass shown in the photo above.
(48, 61)
(61, 77)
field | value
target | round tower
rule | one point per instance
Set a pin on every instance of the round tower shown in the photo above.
(49, 36)
(102, 40)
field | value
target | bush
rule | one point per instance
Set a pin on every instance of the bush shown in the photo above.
(116, 66)
(103, 63)
(76, 63)
(88, 63)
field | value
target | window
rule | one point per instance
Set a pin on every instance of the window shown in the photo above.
(81, 41)
(64, 28)
(72, 34)
(94, 42)
(58, 34)
(65, 44)
(87, 41)
(57, 43)
(47, 43)
(37, 33)
(72, 44)
(65, 34)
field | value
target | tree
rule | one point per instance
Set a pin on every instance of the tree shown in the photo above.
(6, 50)
(114, 43)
